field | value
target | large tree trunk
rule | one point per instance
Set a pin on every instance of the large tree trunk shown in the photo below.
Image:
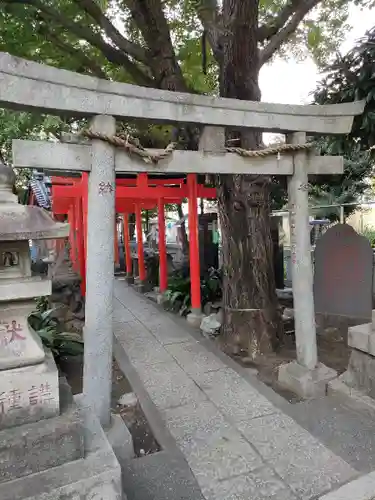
(251, 319)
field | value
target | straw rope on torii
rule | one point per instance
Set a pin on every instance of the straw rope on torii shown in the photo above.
(133, 147)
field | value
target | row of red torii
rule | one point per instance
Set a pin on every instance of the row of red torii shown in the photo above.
(69, 198)
(34, 87)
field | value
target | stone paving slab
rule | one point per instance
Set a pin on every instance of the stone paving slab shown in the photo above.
(194, 358)
(304, 463)
(168, 333)
(213, 448)
(169, 386)
(146, 352)
(343, 426)
(263, 484)
(130, 330)
(235, 397)
(237, 443)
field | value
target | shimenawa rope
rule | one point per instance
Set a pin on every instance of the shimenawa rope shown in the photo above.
(133, 147)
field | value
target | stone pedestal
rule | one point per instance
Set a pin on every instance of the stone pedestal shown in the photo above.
(29, 394)
(360, 375)
(30, 448)
(305, 382)
(91, 474)
(195, 318)
(140, 286)
(129, 279)
(18, 345)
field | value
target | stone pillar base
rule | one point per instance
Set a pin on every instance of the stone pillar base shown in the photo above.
(195, 318)
(140, 286)
(160, 299)
(304, 382)
(129, 279)
(120, 439)
(96, 476)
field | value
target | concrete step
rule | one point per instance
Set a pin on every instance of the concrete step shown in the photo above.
(342, 426)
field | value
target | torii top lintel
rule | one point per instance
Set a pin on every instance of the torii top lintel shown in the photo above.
(28, 85)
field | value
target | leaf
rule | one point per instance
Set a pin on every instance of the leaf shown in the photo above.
(47, 336)
(66, 348)
(46, 315)
(175, 296)
(74, 336)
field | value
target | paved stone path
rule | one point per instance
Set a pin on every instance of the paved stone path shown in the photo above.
(237, 443)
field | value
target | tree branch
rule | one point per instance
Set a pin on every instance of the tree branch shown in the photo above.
(86, 62)
(83, 32)
(266, 31)
(150, 19)
(209, 16)
(132, 49)
(304, 7)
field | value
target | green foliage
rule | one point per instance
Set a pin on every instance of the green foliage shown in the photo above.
(369, 233)
(319, 33)
(42, 304)
(47, 326)
(178, 298)
(62, 34)
(349, 78)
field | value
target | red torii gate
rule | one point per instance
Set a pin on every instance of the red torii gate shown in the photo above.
(69, 197)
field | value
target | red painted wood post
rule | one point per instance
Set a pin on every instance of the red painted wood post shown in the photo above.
(81, 246)
(163, 271)
(194, 244)
(141, 257)
(71, 221)
(128, 255)
(116, 254)
(75, 236)
(84, 183)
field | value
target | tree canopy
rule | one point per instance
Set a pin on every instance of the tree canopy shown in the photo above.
(350, 77)
(127, 39)
(107, 39)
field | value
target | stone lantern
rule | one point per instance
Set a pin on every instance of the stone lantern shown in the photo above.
(29, 388)
(51, 446)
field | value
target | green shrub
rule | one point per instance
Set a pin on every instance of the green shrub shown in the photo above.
(49, 329)
(178, 295)
(369, 233)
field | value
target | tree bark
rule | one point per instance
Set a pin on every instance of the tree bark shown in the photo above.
(251, 320)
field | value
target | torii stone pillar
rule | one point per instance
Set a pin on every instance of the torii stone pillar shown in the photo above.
(305, 376)
(97, 375)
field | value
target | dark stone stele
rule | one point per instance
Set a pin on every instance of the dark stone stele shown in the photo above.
(35, 447)
(343, 273)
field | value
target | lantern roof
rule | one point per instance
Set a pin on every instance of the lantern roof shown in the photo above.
(23, 222)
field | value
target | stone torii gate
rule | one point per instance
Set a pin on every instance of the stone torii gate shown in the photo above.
(34, 87)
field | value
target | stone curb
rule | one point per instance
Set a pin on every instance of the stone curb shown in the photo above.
(362, 488)
(339, 388)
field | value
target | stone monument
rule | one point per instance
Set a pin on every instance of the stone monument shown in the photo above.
(48, 448)
(343, 275)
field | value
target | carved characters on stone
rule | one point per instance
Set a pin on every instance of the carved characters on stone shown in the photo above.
(105, 188)
(11, 338)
